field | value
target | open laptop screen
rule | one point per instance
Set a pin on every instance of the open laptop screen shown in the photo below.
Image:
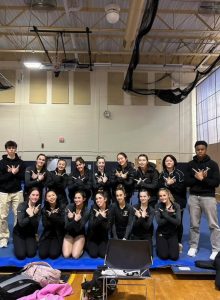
(128, 254)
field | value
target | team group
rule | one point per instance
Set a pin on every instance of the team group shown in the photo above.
(70, 226)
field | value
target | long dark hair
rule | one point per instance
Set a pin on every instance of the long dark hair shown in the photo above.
(46, 204)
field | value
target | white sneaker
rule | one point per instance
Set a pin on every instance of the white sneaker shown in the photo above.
(213, 255)
(192, 252)
(3, 243)
(180, 248)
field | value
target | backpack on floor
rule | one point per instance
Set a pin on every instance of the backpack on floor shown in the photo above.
(15, 286)
(42, 272)
(93, 289)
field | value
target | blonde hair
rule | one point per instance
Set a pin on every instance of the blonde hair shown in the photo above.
(170, 196)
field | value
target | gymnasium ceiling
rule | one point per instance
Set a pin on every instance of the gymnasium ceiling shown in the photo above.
(181, 34)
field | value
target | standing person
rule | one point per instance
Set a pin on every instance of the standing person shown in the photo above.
(11, 177)
(98, 227)
(101, 179)
(121, 216)
(202, 178)
(173, 179)
(53, 214)
(76, 218)
(146, 177)
(58, 181)
(123, 175)
(143, 219)
(80, 179)
(168, 218)
(37, 175)
(25, 230)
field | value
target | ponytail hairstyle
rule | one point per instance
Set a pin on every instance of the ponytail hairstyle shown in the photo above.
(99, 157)
(145, 191)
(120, 187)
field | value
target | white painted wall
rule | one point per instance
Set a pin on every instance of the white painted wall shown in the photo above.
(155, 130)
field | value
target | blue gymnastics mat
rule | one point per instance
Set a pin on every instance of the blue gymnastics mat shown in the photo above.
(7, 258)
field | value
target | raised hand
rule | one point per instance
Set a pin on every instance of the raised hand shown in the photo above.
(170, 180)
(48, 212)
(14, 169)
(125, 175)
(70, 214)
(96, 212)
(34, 175)
(9, 169)
(30, 211)
(55, 211)
(37, 209)
(104, 178)
(41, 176)
(138, 181)
(137, 213)
(199, 174)
(117, 173)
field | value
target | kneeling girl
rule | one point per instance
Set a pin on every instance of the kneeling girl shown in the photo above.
(168, 217)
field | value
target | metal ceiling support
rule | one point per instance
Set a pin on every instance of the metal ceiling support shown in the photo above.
(60, 34)
(69, 20)
(42, 44)
(135, 14)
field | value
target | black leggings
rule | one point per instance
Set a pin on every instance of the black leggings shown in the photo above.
(50, 247)
(180, 228)
(24, 246)
(167, 246)
(96, 249)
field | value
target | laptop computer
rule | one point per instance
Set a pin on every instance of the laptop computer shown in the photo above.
(128, 258)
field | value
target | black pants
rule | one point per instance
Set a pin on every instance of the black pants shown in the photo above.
(50, 247)
(167, 246)
(24, 246)
(97, 249)
(180, 228)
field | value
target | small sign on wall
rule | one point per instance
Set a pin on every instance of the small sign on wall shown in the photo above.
(61, 139)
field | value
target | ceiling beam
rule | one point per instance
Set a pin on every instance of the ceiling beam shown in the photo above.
(134, 18)
(112, 53)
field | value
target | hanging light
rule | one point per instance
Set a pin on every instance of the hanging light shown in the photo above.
(32, 65)
(112, 13)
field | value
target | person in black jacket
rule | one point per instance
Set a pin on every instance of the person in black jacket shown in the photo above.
(101, 179)
(58, 181)
(37, 175)
(121, 216)
(80, 179)
(202, 178)
(168, 217)
(143, 219)
(25, 230)
(98, 227)
(76, 217)
(173, 179)
(53, 215)
(11, 194)
(146, 177)
(123, 175)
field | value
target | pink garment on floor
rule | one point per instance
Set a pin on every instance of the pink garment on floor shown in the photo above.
(51, 292)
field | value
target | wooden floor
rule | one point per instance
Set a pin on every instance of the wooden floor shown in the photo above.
(163, 285)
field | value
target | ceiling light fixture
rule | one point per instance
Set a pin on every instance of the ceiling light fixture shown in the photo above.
(32, 65)
(112, 13)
